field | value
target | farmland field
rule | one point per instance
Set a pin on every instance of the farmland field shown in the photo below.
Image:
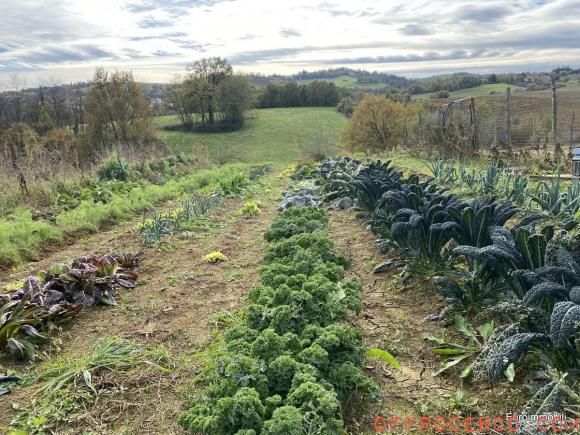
(346, 81)
(478, 91)
(269, 135)
(245, 217)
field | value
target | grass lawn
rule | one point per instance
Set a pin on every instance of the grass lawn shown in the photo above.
(478, 91)
(269, 135)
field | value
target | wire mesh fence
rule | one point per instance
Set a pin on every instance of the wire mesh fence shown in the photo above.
(511, 121)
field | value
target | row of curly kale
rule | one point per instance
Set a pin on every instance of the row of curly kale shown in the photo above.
(523, 277)
(290, 365)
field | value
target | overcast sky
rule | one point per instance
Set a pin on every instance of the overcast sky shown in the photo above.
(64, 40)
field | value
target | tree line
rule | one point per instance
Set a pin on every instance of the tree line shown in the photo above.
(292, 94)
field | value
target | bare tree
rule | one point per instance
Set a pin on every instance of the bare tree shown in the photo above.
(207, 74)
(116, 110)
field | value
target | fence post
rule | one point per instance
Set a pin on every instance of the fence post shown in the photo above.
(572, 129)
(508, 119)
(554, 111)
(473, 121)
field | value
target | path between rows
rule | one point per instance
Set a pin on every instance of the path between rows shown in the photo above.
(392, 319)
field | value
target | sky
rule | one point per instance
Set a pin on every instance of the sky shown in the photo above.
(65, 40)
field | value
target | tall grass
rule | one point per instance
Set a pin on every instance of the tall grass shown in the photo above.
(21, 237)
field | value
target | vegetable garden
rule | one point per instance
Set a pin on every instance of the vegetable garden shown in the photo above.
(258, 329)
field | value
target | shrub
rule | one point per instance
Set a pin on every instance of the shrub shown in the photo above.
(376, 124)
(114, 168)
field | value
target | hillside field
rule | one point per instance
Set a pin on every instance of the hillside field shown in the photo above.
(345, 81)
(272, 135)
(478, 91)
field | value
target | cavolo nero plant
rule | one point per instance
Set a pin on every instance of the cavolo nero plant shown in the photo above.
(513, 269)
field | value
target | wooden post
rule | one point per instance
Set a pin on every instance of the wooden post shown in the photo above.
(421, 138)
(572, 129)
(554, 111)
(508, 119)
(473, 122)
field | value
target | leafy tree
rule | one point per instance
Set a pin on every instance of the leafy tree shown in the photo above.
(291, 94)
(180, 101)
(376, 124)
(345, 106)
(117, 112)
(207, 74)
(235, 97)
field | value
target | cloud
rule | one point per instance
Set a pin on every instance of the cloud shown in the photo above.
(248, 36)
(151, 22)
(415, 30)
(55, 55)
(286, 32)
(190, 45)
(482, 14)
(170, 36)
(172, 7)
(157, 37)
(404, 58)
(333, 9)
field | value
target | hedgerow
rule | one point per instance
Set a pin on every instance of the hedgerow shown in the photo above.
(290, 364)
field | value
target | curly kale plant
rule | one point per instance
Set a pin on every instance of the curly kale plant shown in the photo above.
(288, 367)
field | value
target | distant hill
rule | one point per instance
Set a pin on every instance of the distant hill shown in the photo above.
(479, 84)
(374, 80)
(342, 77)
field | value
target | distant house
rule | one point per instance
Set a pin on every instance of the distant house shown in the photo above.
(537, 78)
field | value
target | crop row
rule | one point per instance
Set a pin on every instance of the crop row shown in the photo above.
(29, 309)
(21, 236)
(550, 197)
(236, 184)
(493, 261)
(289, 364)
